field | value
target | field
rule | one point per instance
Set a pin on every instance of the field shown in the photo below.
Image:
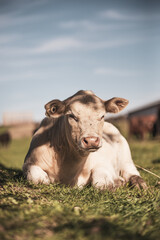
(59, 212)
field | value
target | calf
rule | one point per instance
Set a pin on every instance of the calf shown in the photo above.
(74, 145)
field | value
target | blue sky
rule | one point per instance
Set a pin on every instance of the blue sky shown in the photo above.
(52, 48)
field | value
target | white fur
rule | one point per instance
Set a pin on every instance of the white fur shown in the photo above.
(111, 162)
(37, 175)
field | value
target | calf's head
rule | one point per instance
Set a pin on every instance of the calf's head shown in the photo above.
(84, 113)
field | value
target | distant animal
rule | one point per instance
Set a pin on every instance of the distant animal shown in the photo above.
(156, 126)
(74, 146)
(140, 126)
(5, 139)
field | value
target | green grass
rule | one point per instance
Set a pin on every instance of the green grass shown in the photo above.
(3, 129)
(13, 157)
(58, 212)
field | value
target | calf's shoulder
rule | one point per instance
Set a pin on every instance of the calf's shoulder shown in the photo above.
(111, 134)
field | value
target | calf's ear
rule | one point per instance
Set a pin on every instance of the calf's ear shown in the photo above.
(115, 105)
(55, 108)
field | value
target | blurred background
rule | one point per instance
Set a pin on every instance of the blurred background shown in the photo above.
(49, 49)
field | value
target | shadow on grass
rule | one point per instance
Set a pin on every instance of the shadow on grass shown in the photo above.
(98, 229)
(13, 175)
(9, 174)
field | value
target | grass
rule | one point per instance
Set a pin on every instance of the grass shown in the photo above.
(3, 129)
(58, 212)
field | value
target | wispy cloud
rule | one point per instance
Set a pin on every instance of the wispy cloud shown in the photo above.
(113, 14)
(90, 25)
(11, 20)
(58, 44)
(110, 72)
(15, 51)
(8, 38)
(122, 16)
(21, 76)
(113, 43)
(84, 24)
(71, 43)
(63, 44)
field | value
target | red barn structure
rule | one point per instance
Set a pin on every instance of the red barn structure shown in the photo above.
(145, 121)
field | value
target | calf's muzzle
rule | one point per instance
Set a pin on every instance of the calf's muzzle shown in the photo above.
(90, 142)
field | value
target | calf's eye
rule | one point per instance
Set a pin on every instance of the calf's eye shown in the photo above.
(53, 109)
(102, 117)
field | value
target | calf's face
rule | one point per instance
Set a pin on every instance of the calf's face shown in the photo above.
(86, 118)
(85, 114)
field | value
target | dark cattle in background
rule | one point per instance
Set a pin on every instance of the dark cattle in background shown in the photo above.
(5, 139)
(156, 126)
(141, 126)
(145, 121)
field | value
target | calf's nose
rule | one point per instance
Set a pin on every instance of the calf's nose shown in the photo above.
(91, 142)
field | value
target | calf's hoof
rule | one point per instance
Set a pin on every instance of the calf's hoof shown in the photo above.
(137, 181)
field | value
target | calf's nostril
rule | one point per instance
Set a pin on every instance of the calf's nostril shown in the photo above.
(86, 142)
(91, 142)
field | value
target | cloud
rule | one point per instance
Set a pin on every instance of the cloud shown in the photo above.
(110, 72)
(21, 76)
(58, 44)
(11, 20)
(113, 14)
(8, 38)
(71, 43)
(84, 24)
(62, 44)
(112, 43)
(16, 51)
(83, 40)
(120, 16)
(93, 25)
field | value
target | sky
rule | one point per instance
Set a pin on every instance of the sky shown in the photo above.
(50, 49)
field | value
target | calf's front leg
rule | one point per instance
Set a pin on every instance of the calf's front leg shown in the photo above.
(37, 175)
(127, 168)
(101, 179)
